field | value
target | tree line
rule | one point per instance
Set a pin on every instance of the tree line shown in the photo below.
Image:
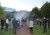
(44, 11)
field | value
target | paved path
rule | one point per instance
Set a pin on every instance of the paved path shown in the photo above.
(23, 31)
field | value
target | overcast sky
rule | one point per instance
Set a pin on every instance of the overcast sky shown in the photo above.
(23, 4)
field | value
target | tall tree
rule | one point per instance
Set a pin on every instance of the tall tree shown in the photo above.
(36, 11)
(45, 10)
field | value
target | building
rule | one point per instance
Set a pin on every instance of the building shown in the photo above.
(9, 9)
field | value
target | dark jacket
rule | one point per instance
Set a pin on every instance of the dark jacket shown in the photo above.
(44, 22)
(2, 22)
(14, 23)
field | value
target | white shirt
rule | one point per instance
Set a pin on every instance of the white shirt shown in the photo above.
(31, 24)
(7, 21)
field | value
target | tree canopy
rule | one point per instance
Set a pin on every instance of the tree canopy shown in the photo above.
(2, 12)
(45, 10)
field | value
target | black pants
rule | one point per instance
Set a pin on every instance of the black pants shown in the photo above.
(40, 24)
(31, 29)
(37, 22)
(45, 29)
(6, 29)
(48, 25)
(2, 26)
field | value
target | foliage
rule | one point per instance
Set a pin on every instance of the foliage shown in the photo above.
(45, 10)
(2, 12)
(35, 13)
(9, 15)
(14, 12)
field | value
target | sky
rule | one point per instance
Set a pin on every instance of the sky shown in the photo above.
(23, 4)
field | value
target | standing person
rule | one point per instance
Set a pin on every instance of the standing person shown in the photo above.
(44, 24)
(7, 22)
(40, 22)
(48, 23)
(27, 23)
(18, 25)
(14, 25)
(2, 23)
(37, 21)
(31, 26)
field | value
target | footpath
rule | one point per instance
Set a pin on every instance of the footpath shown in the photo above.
(23, 31)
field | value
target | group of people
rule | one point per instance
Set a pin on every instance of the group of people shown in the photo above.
(6, 22)
(16, 24)
(45, 23)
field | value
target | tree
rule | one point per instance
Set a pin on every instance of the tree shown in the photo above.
(14, 12)
(36, 12)
(2, 12)
(45, 10)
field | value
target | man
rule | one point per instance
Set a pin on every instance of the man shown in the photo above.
(7, 22)
(2, 23)
(44, 24)
(14, 25)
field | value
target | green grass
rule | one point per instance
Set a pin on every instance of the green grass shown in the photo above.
(39, 31)
(10, 32)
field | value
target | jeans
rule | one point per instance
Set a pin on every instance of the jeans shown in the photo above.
(6, 29)
(45, 29)
(14, 30)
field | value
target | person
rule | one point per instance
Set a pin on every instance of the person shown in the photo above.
(7, 22)
(2, 23)
(18, 25)
(27, 23)
(37, 21)
(14, 25)
(31, 26)
(44, 25)
(48, 23)
(40, 22)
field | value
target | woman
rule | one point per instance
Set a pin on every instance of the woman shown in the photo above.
(31, 26)
(40, 22)
(7, 22)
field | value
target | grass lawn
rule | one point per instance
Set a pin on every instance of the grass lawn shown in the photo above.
(39, 31)
(0, 23)
(10, 32)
